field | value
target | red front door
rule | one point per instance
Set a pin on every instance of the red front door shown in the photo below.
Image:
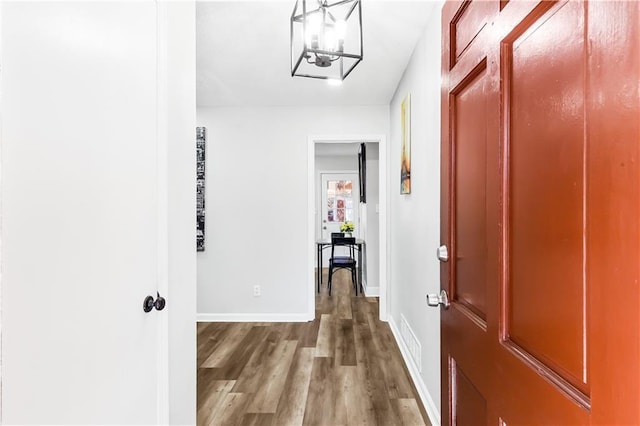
(541, 212)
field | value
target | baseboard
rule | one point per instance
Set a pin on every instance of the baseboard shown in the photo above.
(372, 291)
(253, 317)
(429, 405)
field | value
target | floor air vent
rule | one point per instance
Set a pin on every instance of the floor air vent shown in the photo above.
(411, 341)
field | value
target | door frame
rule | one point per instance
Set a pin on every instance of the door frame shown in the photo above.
(312, 140)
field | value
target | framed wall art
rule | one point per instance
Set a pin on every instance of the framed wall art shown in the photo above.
(362, 172)
(201, 136)
(405, 161)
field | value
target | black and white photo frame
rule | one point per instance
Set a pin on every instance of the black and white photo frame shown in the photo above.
(201, 136)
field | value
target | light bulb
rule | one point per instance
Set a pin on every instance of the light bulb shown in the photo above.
(330, 41)
(341, 29)
(314, 22)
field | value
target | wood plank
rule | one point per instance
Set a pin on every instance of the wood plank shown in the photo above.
(213, 400)
(344, 307)
(239, 358)
(326, 305)
(359, 405)
(257, 419)
(392, 365)
(206, 379)
(345, 345)
(209, 340)
(360, 311)
(252, 374)
(408, 411)
(221, 355)
(320, 406)
(274, 377)
(232, 410)
(370, 371)
(325, 345)
(310, 336)
(342, 387)
(295, 331)
(291, 406)
(202, 327)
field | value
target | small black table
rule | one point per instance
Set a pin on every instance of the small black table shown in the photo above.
(323, 244)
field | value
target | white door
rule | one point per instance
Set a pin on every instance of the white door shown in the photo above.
(79, 213)
(340, 196)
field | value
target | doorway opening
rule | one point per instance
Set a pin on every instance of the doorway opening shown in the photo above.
(335, 159)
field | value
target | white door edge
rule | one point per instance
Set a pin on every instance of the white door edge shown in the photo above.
(162, 174)
(1, 97)
(381, 140)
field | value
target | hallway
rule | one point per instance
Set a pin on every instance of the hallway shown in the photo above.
(343, 368)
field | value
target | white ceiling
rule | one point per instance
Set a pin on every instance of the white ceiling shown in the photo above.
(243, 56)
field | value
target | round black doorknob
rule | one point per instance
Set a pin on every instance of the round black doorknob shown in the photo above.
(148, 304)
(160, 303)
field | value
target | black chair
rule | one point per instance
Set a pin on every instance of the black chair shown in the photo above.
(341, 261)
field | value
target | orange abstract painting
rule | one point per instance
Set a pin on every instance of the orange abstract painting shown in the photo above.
(405, 165)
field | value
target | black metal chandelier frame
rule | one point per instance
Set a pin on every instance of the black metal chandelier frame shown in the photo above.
(323, 58)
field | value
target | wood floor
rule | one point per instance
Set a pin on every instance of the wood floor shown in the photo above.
(344, 368)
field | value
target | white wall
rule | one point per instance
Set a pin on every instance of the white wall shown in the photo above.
(415, 218)
(257, 203)
(372, 213)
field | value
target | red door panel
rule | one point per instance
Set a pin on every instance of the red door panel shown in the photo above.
(541, 212)
(544, 113)
(469, 148)
(469, 406)
(470, 19)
